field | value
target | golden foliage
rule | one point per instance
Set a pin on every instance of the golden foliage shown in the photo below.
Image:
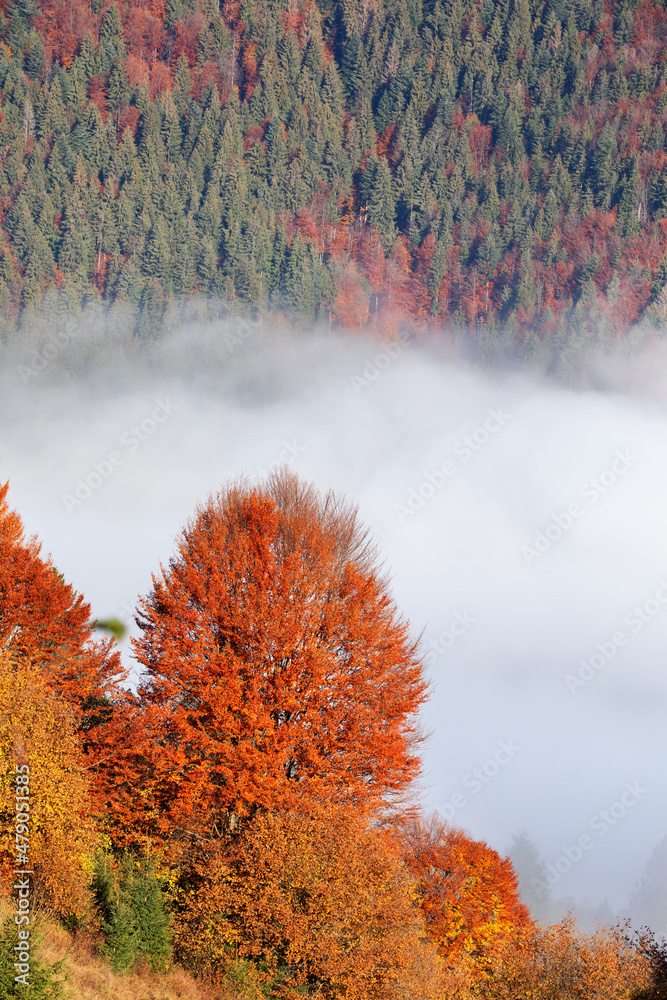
(320, 902)
(468, 893)
(559, 963)
(37, 728)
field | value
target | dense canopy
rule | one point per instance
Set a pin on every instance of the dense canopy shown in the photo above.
(277, 666)
(421, 162)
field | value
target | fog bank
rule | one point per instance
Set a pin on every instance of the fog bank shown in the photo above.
(524, 524)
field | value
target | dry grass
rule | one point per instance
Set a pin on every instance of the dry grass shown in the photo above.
(89, 977)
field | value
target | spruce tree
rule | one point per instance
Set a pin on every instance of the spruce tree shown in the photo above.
(124, 915)
(604, 170)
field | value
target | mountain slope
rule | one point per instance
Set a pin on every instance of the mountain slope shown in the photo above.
(370, 163)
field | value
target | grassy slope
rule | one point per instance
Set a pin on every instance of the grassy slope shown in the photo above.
(89, 977)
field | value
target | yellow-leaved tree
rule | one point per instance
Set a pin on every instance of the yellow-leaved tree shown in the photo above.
(37, 728)
(561, 963)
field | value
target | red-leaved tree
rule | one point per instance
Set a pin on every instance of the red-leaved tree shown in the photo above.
(44, 620)
(45, 627)
(277, 667)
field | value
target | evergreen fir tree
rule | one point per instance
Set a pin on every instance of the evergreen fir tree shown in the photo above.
(381, 205)
(46, 982)
(297, 285)
(604, 171)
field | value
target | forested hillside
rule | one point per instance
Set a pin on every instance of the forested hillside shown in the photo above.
(369, 163)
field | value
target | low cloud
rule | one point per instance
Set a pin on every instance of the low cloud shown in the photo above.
(457, 557)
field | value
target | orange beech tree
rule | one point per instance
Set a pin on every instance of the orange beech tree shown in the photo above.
(38, 612)
(469, 893)
(277, 667)
(560, 963)
(45, 623)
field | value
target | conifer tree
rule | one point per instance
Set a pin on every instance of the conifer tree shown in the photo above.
(46, 981)
(134, 918)
(381, 206)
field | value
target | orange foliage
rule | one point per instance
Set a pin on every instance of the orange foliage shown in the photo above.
(145, 34)
(209, 71)
(137, 71)
(44, 620)
(469, 893)
(322, 904)
(100, 270)
(293, 18)
(249, 63)
(63, 25)
(352, 301)
(253, 136)
(384, 141)
(372, 258)
(458, 119)
(277, 666)
(632, 298)
(558, 963)
(398, 274)
(156, 7)
(186, 34)
(593, 235)
(129, 118)
(307, 225)
(97, 93)
(650, 23)
(160, 80)
(480, 143)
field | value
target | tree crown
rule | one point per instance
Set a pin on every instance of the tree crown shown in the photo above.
(276, 662)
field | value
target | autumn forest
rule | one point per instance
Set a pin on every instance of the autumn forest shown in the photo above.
(248, 811)
(484, 167)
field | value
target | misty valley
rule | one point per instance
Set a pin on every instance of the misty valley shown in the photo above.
(333, 557)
